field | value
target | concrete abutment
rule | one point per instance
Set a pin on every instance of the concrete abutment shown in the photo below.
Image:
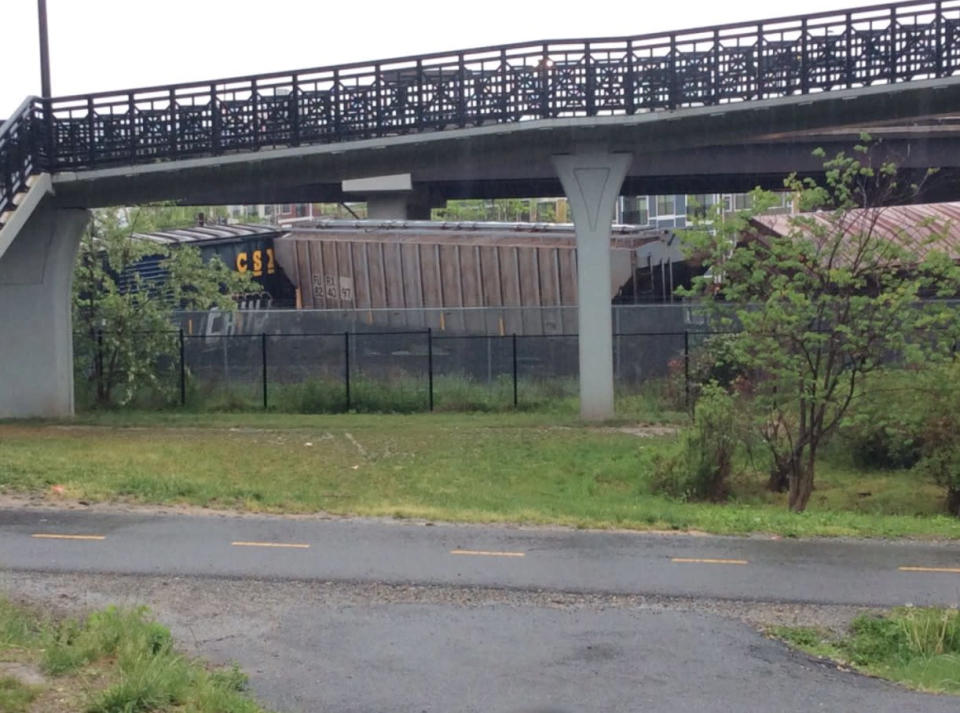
(36, 340)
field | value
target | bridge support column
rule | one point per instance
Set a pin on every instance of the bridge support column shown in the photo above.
(399, 206)
(36, 341)
(393, 197)
(591, 179)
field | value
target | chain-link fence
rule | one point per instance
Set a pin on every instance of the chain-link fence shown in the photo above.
(400, 371)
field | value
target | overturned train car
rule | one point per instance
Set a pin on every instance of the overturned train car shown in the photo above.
(477, 278)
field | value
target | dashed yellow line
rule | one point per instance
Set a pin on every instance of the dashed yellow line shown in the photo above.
(487, 553)
(55, 536)
(703, 560)
(948, 570)
(288, 545)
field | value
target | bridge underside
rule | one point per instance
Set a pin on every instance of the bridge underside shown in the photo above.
(729, 148)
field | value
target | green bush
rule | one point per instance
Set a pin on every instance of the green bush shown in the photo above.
(885, 446)
(884, 427)
(700, 463)
(910, 418)
(941, 462)
(713, 360)
(717, 361)
(941, 432)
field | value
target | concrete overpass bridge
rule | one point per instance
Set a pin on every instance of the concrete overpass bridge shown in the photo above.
(710, 109)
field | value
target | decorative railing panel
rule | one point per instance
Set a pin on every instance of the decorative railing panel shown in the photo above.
(18, 154)
(493, 85)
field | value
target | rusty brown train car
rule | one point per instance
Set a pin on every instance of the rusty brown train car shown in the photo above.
(347, 265)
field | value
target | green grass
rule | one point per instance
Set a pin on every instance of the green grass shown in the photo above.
(918, 647)
(403, 394)
(516, 467)
(113, 661)
(15, 697)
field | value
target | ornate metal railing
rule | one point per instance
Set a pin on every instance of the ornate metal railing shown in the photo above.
(491, 85)
(19, 158)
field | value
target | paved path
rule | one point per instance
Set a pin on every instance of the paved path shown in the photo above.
(816, 571)
(312, 647)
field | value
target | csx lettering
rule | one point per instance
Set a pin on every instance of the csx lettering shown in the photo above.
(244, 261)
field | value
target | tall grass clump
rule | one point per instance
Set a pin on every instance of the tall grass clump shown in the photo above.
(917, 646)
(700, 464)
(130, 650)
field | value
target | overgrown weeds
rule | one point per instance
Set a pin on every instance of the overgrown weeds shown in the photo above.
(133, 654)
(916, 646)
(15, 696)
(700, 464)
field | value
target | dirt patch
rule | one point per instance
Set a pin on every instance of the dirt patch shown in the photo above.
(26, 674)
(640, 430)
(69, 694)
(649, 431)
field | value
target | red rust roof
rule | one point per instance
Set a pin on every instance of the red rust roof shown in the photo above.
(918, 229)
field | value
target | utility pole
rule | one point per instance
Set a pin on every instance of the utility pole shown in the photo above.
(44, 50)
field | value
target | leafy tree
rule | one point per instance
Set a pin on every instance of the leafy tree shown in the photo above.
(825, 304)
(512, 210)
(122, 318)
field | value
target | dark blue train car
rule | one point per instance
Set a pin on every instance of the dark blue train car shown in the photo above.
(244, 248)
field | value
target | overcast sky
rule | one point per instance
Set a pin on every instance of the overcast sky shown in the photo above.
(115, 44)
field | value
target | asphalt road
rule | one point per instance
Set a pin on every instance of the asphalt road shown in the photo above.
(756, 569)
(313, 647)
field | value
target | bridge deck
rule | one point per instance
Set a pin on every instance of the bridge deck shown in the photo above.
(574, 78)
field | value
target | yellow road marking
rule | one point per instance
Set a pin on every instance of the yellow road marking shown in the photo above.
(485, 553)
(53, 536)
(290, 545)
(700, 560)
(950, 570)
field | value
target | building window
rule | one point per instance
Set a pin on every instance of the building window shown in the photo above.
(700, 205)
(635, 211)
(666, 205)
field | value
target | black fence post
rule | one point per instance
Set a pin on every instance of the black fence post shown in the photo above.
(346, 369)
(101, 378)
(515, 395)
(430, 367)
(686, 366)
(183, 372)
(263, 353)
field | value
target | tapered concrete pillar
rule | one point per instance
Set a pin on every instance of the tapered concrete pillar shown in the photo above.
(36, 344)
(591, 179)
(400, 206)
(392, 197)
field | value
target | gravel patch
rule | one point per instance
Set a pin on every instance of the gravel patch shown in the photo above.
(187, 603)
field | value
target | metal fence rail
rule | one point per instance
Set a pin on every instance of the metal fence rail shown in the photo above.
(340, 370)
(706, 66)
